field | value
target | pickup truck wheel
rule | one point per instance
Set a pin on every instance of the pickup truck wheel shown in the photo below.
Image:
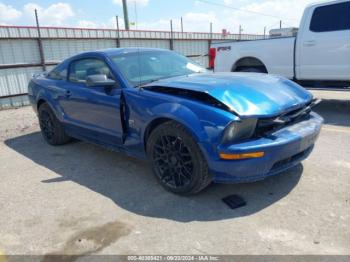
(251, 69)
(177, 160)
(51, 128)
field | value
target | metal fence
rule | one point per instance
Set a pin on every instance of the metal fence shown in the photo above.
(23, 51)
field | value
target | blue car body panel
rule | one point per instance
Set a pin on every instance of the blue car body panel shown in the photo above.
(248, 94)
(97, 115)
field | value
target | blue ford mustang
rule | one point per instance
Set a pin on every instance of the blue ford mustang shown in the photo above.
(195, 126)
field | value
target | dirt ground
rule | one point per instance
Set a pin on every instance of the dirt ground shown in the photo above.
(83, 199)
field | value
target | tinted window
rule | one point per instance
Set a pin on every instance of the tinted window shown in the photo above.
(81, 69)
(331, 18)
(58, 73)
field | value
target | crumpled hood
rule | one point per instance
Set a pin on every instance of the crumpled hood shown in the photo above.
(248, 94)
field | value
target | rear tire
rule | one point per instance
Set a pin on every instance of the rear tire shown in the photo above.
(177, 160)
(51, 128)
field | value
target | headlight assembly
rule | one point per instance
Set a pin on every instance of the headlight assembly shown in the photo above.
(239, 130)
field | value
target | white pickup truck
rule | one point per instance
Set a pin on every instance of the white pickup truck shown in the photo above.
(320, 52)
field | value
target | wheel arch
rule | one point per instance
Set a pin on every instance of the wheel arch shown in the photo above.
(249, 61)
(46, 99)
(40, 102)
(153, 124)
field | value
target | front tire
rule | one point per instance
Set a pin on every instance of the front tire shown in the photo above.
(177, 160)
(51, 128)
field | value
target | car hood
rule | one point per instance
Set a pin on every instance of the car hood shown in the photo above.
(247, 94)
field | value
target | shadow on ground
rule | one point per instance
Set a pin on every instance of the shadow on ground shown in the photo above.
(132, 186)
(334, 112)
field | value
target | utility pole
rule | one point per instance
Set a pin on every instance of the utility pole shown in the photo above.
(182, 26)
(40, 44)
(136, 20)
(211, 38)
(171, 35)
(264, 32)
(240, 32)
(118, 34)
(280, 24)
(211, 30)
(126, 15)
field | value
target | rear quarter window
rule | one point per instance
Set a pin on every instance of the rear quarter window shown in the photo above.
(58, 73)
(329, 18)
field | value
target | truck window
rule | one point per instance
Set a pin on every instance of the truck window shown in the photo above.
(328, 18)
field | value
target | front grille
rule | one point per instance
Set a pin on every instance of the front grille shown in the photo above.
(268, 125)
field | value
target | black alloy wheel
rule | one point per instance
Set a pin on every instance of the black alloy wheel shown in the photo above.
(173, 161)
(51, 128)
(177, 160)
(46, 125)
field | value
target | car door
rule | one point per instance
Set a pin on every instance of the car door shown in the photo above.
(92, 112)
(324, 50)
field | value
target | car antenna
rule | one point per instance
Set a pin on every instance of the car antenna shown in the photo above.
(139, 66)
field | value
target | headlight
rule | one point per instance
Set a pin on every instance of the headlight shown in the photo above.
(239, 130)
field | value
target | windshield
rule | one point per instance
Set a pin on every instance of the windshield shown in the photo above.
(147, 66)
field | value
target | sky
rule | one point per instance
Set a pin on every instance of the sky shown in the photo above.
(252, 15)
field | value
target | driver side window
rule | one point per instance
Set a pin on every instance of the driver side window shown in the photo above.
(81, 69)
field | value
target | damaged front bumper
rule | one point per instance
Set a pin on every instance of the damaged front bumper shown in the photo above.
(282, 149)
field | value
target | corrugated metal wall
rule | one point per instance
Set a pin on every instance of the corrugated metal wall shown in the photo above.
(156, 43)
(74, 33)
(194, 49)
(59, 49)
(20, 56)
(19, 51)
(14, 81)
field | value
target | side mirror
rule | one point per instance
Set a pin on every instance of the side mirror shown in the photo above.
(99, 80)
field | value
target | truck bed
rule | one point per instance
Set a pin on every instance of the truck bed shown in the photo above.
(277, 54)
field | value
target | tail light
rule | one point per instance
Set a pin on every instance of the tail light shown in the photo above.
(212, 55)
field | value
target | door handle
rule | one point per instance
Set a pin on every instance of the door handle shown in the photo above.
(310, 43)
(68, 93)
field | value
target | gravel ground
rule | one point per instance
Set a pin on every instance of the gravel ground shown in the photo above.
(83, 199)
